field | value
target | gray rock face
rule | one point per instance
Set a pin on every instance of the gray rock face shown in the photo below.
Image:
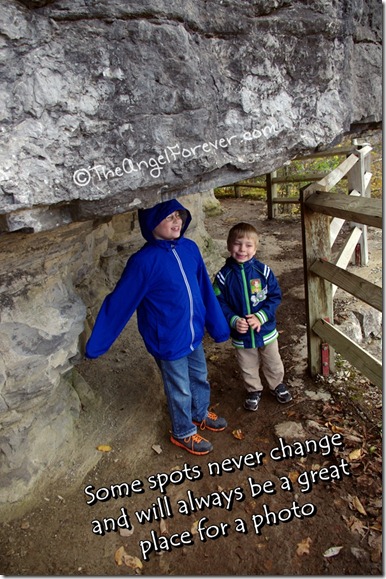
(47, 279)
(110, 105)
(107, 106)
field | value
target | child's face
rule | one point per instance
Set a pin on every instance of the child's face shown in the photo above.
(169, 228)
(243, 249)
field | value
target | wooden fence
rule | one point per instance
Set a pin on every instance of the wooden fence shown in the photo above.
(272, 180)
(318, 205)
(319, 231)
(358, 182)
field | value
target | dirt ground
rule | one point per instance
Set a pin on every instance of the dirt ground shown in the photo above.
(305, 521)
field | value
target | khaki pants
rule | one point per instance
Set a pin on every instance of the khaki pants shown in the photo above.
(268, 359)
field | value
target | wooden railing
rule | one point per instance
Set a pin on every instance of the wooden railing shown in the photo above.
(357, 175)
(272, 180)
(322, 275)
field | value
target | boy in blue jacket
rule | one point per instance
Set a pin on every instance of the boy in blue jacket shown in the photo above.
(166, 281)
(249, 295)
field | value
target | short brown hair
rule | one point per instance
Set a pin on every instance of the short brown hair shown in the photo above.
(242, 230)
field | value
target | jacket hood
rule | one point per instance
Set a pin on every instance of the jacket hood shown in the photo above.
(150, 218)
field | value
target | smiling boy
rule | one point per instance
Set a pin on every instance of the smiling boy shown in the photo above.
(249, 295)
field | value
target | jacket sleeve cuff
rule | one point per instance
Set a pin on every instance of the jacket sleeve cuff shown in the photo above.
(233, 321)
(261, 316)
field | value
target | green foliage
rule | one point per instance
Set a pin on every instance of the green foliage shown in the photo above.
(238, 190)
(376, 170)
(309, 170)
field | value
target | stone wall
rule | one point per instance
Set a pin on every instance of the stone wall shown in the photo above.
(52, 286)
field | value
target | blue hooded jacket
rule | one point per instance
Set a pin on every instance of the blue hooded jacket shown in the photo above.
(168, 284)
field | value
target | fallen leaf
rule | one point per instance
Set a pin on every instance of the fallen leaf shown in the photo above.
(157, 448)
(332, 551)
(303, 548)
(315, 466)
(355, 525)
(104, 448)
(163, 527)
(119, 553)
(358, 506)
(193, 529)
(375, 543)
(132, 562)
(377, 503)
(336, 429)
(238, 434)
(293, 475)
(121, 557)
(355, 454)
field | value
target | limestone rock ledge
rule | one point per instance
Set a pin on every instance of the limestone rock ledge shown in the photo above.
(111, 105)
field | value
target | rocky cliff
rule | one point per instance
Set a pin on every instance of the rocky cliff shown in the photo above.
(110, 105)
(107, 106)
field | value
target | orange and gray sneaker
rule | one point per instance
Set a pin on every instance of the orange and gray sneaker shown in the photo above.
(212, 422)
(194, 444)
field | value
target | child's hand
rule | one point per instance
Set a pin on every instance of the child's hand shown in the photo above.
(253, 322)
(242, 326)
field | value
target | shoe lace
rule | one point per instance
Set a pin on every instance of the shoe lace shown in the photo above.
(212, 416)
(196, 438)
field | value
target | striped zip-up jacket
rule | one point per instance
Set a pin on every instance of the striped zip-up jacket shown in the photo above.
(249, 288)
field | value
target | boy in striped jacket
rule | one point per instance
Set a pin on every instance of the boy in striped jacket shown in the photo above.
(249, 295)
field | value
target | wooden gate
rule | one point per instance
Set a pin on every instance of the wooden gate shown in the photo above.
(322, 276)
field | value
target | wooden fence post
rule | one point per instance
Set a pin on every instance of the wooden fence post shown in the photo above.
(271, 193)
(237, 190)
(359, 180)
(318, 292)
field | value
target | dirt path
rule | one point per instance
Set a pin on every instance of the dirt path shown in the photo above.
(326, 523)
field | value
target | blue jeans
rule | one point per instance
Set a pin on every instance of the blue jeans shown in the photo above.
(187, 391)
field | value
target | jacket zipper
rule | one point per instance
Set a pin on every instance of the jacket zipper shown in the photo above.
(246, 296)
(189, 295)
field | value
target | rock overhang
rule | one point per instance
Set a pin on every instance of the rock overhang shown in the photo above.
(112, 106)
